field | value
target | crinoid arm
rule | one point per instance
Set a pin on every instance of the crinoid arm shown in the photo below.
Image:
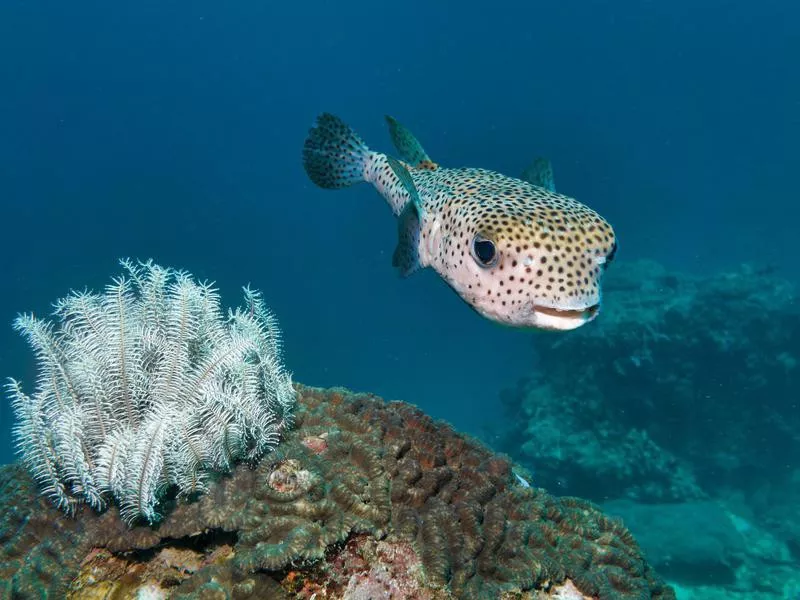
(146, 388)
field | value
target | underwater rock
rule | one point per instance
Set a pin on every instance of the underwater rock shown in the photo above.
(708, 551)
(362, 499)
(684, 386)
(692, 542)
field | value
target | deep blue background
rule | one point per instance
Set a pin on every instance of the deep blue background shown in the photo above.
(173, 131)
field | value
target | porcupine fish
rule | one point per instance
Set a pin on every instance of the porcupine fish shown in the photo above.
(516, 251)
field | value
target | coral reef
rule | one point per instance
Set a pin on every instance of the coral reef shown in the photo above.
(671, 394)
(362, 499)
(146, 388)
(681, 397)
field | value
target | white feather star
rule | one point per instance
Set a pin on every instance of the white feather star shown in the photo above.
(148, 387)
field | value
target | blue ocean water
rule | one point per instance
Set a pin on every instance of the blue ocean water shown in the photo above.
(173, 131)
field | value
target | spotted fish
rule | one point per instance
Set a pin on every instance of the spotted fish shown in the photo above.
(516, 251)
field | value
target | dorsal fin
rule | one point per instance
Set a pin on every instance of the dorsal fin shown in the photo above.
(540, 173)
(408, 146)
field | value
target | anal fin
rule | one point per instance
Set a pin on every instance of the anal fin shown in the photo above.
(406, 253)
(409, 223)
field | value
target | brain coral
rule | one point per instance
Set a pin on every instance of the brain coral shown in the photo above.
(363, 499)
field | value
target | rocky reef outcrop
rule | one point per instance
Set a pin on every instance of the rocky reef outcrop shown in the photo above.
(678, 410)
(362, 499)
(685, 384)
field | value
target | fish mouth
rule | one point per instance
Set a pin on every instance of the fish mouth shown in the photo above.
(548, 317)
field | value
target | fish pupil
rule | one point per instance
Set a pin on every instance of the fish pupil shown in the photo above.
(484, 251)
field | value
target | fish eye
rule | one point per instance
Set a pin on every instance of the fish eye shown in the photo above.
(484, 251)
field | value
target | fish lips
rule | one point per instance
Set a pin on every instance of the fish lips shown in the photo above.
(531, 315)
(537, 316)
(557, 319)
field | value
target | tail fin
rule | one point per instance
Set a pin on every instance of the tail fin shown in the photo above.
(333, 155)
